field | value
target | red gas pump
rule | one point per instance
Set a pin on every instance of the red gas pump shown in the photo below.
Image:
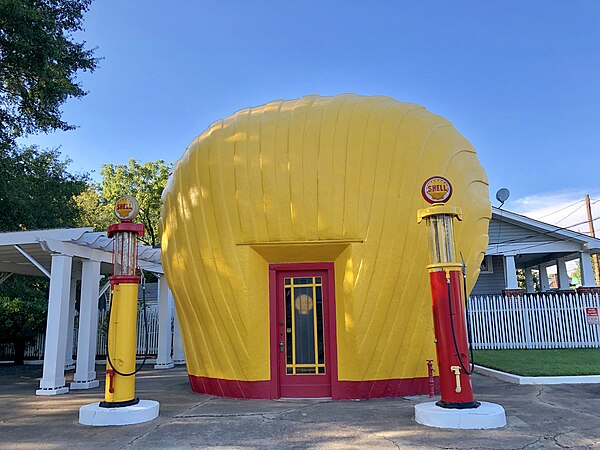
(447, 291)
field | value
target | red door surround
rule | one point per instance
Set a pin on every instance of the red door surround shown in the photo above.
(303, 341)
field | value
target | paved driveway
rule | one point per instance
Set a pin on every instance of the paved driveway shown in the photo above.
(565, 416)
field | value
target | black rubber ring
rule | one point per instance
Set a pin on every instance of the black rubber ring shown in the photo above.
(135, 401)
(466, 405)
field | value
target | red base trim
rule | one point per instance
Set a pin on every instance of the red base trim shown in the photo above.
(124, 279)
(397, 387)
(347, 390)
(231, 388)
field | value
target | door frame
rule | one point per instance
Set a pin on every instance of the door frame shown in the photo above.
(330, 308)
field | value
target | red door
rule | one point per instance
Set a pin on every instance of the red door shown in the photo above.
(303, 344)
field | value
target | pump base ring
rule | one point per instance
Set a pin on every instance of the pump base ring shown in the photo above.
(465, 405)
(135, 401)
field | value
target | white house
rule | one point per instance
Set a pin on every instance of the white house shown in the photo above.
(518, 242)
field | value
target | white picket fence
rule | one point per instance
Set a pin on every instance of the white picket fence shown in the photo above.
(152, 320)
(35, 348)
(533, 321)
(497, 322)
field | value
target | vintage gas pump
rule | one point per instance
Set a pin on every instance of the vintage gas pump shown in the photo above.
(448, 297)
(121, 353)
(120, 405)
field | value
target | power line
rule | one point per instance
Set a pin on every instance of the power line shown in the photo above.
(562, 209)
(570, 214)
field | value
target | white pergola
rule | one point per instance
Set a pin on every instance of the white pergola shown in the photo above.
(66, 256)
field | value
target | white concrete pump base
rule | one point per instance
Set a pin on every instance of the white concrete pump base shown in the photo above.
(488, 415)
(96, 416)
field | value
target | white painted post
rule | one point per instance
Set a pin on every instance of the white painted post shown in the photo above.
(529, 287)
(563, 277)
(544, 282)
(510, 270)
(85, 375)
(53, 376)
(165, 335)
(69, 363)
(587, 270)
(178, 354)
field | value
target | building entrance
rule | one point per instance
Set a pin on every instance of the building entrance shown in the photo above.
(303, 344)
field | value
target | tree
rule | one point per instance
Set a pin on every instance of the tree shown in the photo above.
(523, 284)
(36, 190)
(144, 181)
(23, 309)
(39, 60)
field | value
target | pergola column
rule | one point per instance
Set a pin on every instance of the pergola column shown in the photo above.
(69, 362)
(178, 354)
(165, 336)
(563, 277)
(587, 270)
(53, 376)
(85, 375)
(544, 282)
(529, 286)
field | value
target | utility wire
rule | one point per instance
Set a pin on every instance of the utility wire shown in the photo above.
(524, 238)
(570, 214)
(562, 209)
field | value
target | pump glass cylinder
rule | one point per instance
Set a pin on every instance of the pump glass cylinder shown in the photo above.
(125, 253)
(440, 233)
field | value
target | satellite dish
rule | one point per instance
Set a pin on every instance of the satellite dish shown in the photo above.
(502, 195)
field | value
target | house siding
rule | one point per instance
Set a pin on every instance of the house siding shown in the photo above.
(501, 232)
(491, 283)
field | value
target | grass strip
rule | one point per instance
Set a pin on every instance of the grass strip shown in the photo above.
(554, 362)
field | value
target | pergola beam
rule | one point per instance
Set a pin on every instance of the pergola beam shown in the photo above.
(32, 260)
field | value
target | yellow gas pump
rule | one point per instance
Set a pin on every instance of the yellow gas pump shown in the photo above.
(121, 350)
(120, 405)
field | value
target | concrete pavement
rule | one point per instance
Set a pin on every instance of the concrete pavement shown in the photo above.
(563, 416)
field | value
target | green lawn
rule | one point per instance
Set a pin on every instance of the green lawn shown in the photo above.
(574, 361)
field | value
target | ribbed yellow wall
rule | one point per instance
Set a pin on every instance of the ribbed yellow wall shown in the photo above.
(315, 179)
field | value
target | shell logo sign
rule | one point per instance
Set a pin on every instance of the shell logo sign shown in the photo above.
(126, 208)
(436, 190)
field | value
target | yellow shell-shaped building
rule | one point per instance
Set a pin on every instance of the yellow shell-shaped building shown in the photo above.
(291, 246)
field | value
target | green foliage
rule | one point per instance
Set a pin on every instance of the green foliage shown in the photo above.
(36, 190)
(576, 273)
(23, 310)
(24, 305)
(39, 60)
(93, 209)
(143, 181)
(522, 283)
(559, 362)
(21, 317)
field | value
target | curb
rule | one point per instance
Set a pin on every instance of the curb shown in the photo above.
(517, 379)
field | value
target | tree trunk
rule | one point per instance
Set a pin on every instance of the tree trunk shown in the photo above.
(19, 344)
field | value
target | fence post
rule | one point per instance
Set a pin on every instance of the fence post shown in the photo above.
(526, 325)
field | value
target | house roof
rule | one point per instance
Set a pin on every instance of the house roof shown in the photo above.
(30, 252)
(534, 241)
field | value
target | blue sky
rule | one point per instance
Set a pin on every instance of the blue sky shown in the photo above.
(520, 80)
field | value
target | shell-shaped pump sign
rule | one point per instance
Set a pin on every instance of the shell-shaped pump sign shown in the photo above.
(318, 182)
(126, 208)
